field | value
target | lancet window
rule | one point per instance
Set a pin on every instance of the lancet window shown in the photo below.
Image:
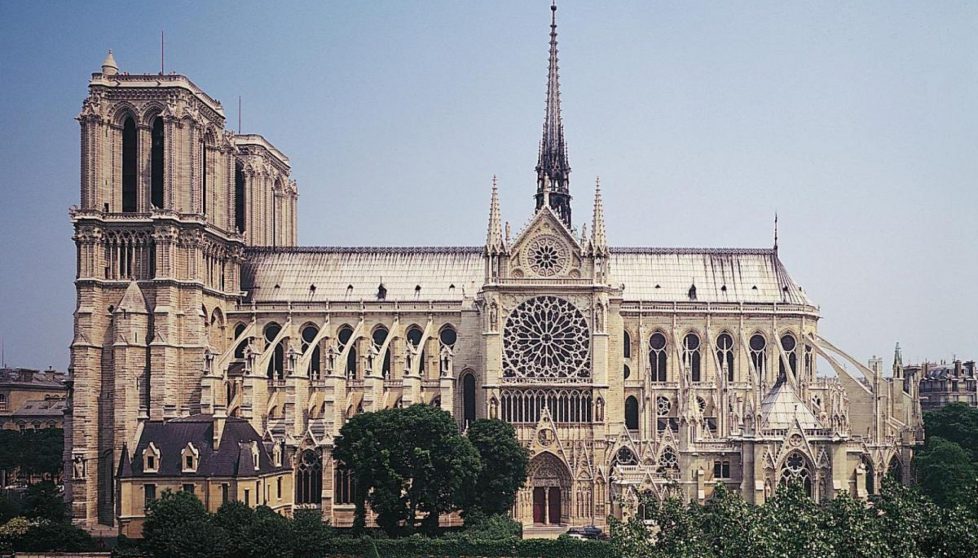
(657, 357)
(564, 405)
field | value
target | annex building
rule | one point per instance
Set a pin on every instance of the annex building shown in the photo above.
(202, 325)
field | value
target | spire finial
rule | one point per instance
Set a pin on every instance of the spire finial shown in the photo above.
(775, 231)
(599, 238)
(552, 156)
(109, 67)
(494, 236)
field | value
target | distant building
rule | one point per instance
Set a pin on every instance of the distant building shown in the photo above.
(32, 399)
(219, 460)
(945, 383)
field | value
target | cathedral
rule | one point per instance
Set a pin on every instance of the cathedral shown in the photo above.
(211, 353)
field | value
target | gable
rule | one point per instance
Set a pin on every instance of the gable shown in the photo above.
(546, 249)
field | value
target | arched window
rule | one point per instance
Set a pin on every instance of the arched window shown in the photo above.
(657, 357)
(239, 197)
(626, 348)
(468, 399)
(130, 171)
(309, 334)
(379, 337)
(414, 335)
(276, 366)
(796, 470)
(309, 478)
(626, 371)
(343, 336)
(624, 456)
(447, 337)
(725, 354)
(156, 162)
(870, 474)
(895, 469)
(757, 345)
(203, 175)
(668, 463)
(788, 344)
(240, 349)
(691, 356)
(344, 491)
(631, 413)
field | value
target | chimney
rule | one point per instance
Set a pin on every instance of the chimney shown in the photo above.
(220, 418)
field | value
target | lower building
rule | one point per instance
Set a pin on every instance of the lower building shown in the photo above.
(219, 460)
(32, 399)
(944, 383)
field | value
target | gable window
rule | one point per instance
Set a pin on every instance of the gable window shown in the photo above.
(190, 457)
(151, 459)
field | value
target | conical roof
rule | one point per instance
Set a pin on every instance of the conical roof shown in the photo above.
(781, 407)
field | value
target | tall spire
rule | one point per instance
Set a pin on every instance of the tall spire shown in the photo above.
(599, 237)
(494, 237)
(552, 157)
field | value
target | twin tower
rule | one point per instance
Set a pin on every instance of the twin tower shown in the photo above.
(170, 201)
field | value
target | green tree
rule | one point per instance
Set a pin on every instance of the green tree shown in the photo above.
(956, 423)
(178, 526)
(905, 518)
(310, 536)
(853, 530)
(730, 524)
(791, 523)
(234, 519)
(504, 464)
(45, 501)
(268, 535)
(407, 463)
(945, 472)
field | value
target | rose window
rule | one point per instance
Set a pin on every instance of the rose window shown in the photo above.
(662, 406)
(547, 255)
(546, 337)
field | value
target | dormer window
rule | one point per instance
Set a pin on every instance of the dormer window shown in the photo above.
(255, 455)
(190, 458)
(151, 459)
(277, 455)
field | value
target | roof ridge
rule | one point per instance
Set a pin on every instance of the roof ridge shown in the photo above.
(363, 249)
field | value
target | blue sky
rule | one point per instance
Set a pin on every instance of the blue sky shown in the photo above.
(855, 121)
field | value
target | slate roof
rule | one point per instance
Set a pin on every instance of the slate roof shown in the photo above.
(319, 274)
(781, 407)
(51, 379)
(233, 457)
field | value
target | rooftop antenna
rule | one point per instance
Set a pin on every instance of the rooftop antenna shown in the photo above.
(162, 53)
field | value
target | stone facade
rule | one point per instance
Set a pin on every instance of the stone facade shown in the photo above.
(624, 370)
(944, 383)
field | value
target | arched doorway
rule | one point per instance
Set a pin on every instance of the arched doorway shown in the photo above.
(550, 484)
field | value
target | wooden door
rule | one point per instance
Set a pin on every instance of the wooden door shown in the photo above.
(554, 500)
(539, 505)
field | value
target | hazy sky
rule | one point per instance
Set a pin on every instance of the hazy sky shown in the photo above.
(855, 121)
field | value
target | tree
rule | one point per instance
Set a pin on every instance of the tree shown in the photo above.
(504, 464)
(904, 519)
(309, 534)
(407, 462)
(235, 519)
(956, 423)
(792, 525)
(853, 530)
(945, 472)
(268, 535)
(730, 524)
(44, 501)
(178, 526)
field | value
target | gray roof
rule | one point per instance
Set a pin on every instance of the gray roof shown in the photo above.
(23, 377)
(232, 458)
(781, 408)
(318, 274)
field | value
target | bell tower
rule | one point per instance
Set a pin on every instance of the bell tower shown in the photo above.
(165, 194)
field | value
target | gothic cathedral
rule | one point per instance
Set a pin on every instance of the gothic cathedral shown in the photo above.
(203, 335)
